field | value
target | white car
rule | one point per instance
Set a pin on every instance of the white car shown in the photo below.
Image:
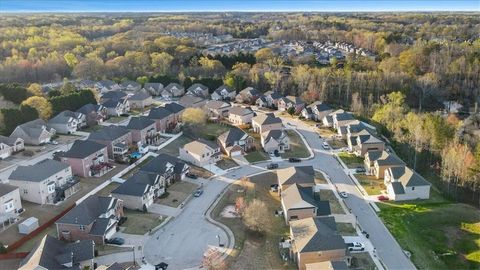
(355, 246)
(325, 145)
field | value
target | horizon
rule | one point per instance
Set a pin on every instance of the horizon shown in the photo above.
(247, 6)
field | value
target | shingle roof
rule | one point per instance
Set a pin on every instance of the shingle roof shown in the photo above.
(216, 104)
(38, 172)
(139, 123)
(171, 86)
(200, 146)
(398, 188)
(224, 87)
(316, 234)
(240, 111)
(155, 86)
(276, 134)
(174, 107)
(159, 164)
(408, 177)
(83, 149)
(64, 117)
(344, 116)
(114, 95)
(89, 210)
(232, 135)
(190, 100)
(320, 106)
(33, 128)
(388, 159)
(7, 140)
(137, 184)
(297, 174)
(298, 197)
(88, 108)
(159, 113)
(109, 133)
(111, 103)
(141, 95)
(6, 188)
(266, 119)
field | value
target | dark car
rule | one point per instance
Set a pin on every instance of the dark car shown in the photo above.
(161, 266)
(116, 241)
(272, 166)
(294, 160)
(191, 175)
(360, 170)
(198, 193)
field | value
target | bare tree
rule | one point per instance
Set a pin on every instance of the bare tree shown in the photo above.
(213, 260)
(256, 215)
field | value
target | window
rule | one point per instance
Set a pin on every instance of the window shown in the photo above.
(8, 206)
(413, 188)
(25, 191)
(51, 188)
(82, 227)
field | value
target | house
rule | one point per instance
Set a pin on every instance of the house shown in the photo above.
(275, 141)
(342, 118)
(140, 100)
(199, 90)
(94, 114)
(46, 182)
(8, 146)
(248, 96)
(188, 101)
(304, 176)
(106, 86)
(164, 119)
(85, 84)
(87, 158)
(51, 253)
(140, 190)
(272, 98)
(351, 131)
(265, 122)
(95, 218)
(404, 183)
(235, 142)
(10, 202)
(376, 162)
(217, 109)
(302, 202)
(261, 102)
(117, 139)
(67, 122)
(240, 116)
(285, 103)
(143, 130)
(176, 109)
(130, 86)
(173, 90)
(364, 142)
(115, 95)
(316, 111)
(201, 152)
(315, 240)
(224, 93)
(169, 168)
(155, 89)
(116, 107)
(35, 132)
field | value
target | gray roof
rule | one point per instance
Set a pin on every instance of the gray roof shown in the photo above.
(33, 128)
(158, 164)
(6, 188)
(159, 113)
(190, 100)
(273, 133)
(88, 108)
(298, 197)
(398, 188)
(316, 234)
(64, 117)
(173, 85)
(216, 104)
(139, 123)
(320, 106)
(155, 86)
(296, 175)
(222, 87)
(112, 103)
(141, 95)
(267, 119)
(273, 95)
(38, 172)
(53, 253)
(232, 135)
(240, 111)
(89, 210)
(83, 149)
(130, 83)
(197, 86)
(388, 159)
(344, 116)
(408, 177)
(137, 184)
(8, 140)
(114, 95)
(250, 90)
(174, 107)
(108, 133)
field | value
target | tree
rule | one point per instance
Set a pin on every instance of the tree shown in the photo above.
(67, 87)
(142, 80)
(240, 205)
(256, 215)
(357, 104)
(41, 104)
(35, 89)
(194, 116)
(213, 260)
(71, 59)
(291, 110)
(161, 62)
(263, 55)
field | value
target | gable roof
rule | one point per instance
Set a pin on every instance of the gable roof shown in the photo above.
(319, 106)
(174, 107)
(114, 95)
(39, 171)
(108, 133)
(171, 86)
(137, 184)
(159, 113)
(154, 86)
(140, 95)
(266, 119)
(6, 188)
(224, 87)
(344, 116)
(275, 134)
(386, 158)
(89, 210)
(365, 136)
(240, 111)
(158, 164)
(298, 197)
(232, 135)
(83, 149)
(88, 108)
(200, 146)
(216, 104)
(8, 140)
(33, 128)
(64, 117)
(296, 174)
(140, 122)
(408, 177)
(112, 103)
(316, 234)
(190, 100)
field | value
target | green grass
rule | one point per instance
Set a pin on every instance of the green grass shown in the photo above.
(177, 193)
(208, 131)
(140, 223)
(109, 249)
(371, 184)
(30, 244)
(439, 234)
(328, 195)
(297, 147)
(116, 119)
(351, 160)
(92, 128)
(256, 156)
(108, 189)
(136, 168)
(346, 229)
(172, 147)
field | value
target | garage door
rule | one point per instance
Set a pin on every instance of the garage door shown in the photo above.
(236, 153)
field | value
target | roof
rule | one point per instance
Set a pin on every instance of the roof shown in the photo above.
(273, 95)
(64, 117)
(141, 95)
(88, 108)
(328, 265)
(200, 146)
(111, 103)
(224, 87)
(316, 234)
(298, 197)
(155, 86)
(320, 106)
(232, 135)
(408, 177)
(159, 113)
(276, 134)
(171, 86)
(344, 116)
(293, 99)
(51, 253)
(190, 100)
(240, 111)
(83, 149)
(158, 164)
(33, 128)
(386, 158)
(137, 184)
(250, 90)
(130, 83)
(174, 107)
(39, 171)
(365, 136)
(266, 119)
(8, 140)
(197, 86)
(89, 210)
(297, 174)
(6, 188)
(109, 133)
(216, 104)
(398, 188)
(114, 95)
(139, 123)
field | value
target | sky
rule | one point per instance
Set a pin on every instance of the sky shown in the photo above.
(18, 6)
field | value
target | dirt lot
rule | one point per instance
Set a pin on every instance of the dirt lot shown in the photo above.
(177, 193)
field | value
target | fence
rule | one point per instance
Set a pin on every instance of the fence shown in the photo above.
(9, 256)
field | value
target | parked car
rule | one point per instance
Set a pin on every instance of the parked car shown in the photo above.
(272, 166)
(343, 194)
(198, 192)
(355, 246)
(383, 198)
(54, 142)
(294, 160)
(325, 146)
(115, 241)
(360, 170)
(161, 266)
(191, 175)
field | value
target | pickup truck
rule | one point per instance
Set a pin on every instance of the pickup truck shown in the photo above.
(355, 246)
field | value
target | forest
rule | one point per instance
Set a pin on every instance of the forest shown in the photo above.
(421, 60)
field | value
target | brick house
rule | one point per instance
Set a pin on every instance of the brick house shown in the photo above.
(117, 139)
(143, 130)
(87, 158)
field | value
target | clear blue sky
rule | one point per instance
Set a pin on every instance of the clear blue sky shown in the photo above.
(234, 5)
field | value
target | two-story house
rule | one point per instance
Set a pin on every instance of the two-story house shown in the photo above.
(217, 109)
(130, 86)
(301, 175)
(404, 183)
(176, 109)
(272, 98)
(240, 116)
(169, 168)
(46, 182)
(95, 218)
(199, 90)
(316, 111)
(300, 202)
(164, 119)
(155, 89)
(67, 122)
(265, 122)
(116, 107)
(140, 100)
(35, 132)
(140, 190)
(10, 202)
(87, 158)
(143, 130)
(275, 141)
(9, 146)
(224, 92)
(285, 103)
(201, 152)
(94, 114)
(117, 139)
(248, 95)
(376, 162)
(173, 90)
(235, 142)
(189, 101)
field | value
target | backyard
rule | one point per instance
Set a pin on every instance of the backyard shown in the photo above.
(326, 132)
(351, 160)
(208, 131)
(177, 193)
(252, 251)
(172, 147)
(438, 234)
(371, 184)
(298, 148)
(140, 222)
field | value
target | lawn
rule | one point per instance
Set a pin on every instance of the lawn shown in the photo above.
(177, 193)
(208, 131)
(297, 147)
(252, 251)
(92, 128)
(371, 184)
(109, 249)
(438, 234)
(116, 119)
(136, 168)
(337, 144)
(226, 163)
(351, 160)
(140, 222)
(28, 246)
(346, 229)
(108, 189)
(256, 156)
(326, 132)
(328, 195)
(320, 178)
(362, 260)
(172, 147)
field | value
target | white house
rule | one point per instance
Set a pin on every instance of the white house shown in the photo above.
(404, 183)
(201, 153)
